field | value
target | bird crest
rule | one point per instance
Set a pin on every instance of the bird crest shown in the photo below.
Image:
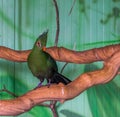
(41, 40)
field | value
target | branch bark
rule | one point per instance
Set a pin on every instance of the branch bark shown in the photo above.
(60, 92)
(63, 54)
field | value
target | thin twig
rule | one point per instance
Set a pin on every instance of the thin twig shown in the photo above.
(7, 91)
(64, 67)
(57, 22)
(72, 7)
(52, 106)
(74, 47)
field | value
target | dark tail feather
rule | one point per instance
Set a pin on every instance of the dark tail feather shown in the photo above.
(57, 78)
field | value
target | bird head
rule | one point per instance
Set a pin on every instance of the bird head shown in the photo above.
(41, 41)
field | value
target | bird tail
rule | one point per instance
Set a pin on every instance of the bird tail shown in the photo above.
(57, 78)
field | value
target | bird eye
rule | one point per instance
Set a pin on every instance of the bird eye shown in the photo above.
(38, 44)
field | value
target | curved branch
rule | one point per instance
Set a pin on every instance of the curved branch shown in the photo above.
(61, 92)
(87, 56)
(63, 54)
(13, 55)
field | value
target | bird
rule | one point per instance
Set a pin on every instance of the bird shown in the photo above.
(42, 65)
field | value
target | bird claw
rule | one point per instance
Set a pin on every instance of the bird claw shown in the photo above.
(48, 84)
(39, 85)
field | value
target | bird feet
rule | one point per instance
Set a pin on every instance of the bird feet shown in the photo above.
(48, 84)
(39, 85)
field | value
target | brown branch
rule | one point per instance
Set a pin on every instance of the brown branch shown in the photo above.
(63, 54)
(12, 55)
(87, 56)
(60, 92)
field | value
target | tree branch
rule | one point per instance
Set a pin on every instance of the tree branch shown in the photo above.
(63, 54)
(60, 92)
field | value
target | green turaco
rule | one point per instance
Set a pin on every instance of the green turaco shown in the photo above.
(42, 65)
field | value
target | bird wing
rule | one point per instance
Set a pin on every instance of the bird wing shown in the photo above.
(51, 63)
(56, 77)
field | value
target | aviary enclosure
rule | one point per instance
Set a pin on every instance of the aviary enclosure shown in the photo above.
(83, 37)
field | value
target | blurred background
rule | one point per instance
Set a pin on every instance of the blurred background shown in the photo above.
(84, 24)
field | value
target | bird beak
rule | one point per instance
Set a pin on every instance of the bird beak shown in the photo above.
(44, 48)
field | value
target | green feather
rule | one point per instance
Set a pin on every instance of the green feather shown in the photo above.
(39, 61)
(42, 65)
